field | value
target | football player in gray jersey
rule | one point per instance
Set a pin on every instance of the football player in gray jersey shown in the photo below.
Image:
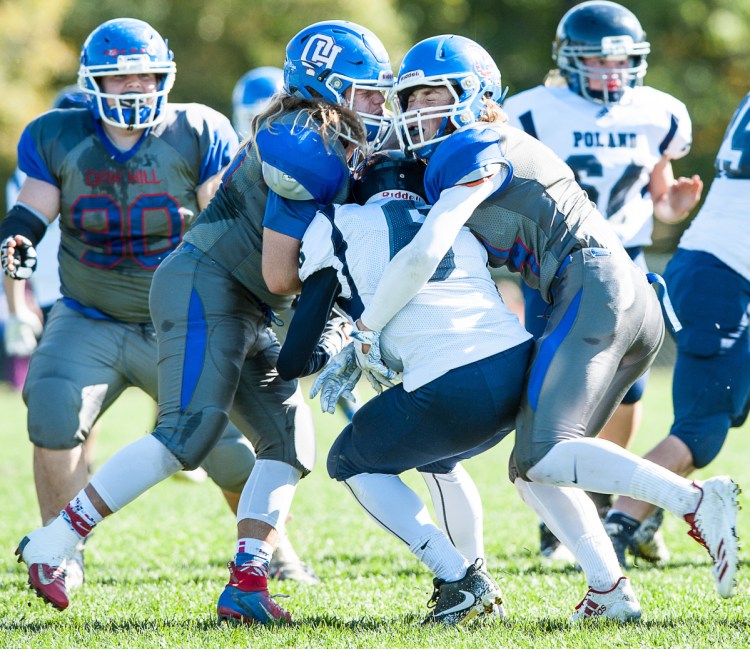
(212, 308)
(127, 173)
(252, 95)
(605, 324)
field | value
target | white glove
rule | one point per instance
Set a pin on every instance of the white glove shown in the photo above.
(21, 333)
(337, 379)
(21, 255)
(378, 374)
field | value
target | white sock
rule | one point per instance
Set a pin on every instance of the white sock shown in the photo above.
(133, 470)
(268, 493)
(602, 466)
(398, 510)
(458, 509)
(440, 555)
(81, 514)
(572, 517)
(256, 550)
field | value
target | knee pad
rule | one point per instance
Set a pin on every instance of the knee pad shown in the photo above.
(194, 436)
(291, 440)
(230, 462)
(58, 419)
(524, 459)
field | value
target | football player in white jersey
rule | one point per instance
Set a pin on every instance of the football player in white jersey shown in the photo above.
(709, 284)
(619, 137)
(462, 376)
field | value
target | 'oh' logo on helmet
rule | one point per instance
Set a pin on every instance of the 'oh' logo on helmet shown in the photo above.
(321, 50)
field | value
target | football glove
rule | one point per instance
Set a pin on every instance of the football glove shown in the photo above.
(378, 374)
(21, 333)
(337, 379)
(19, 253)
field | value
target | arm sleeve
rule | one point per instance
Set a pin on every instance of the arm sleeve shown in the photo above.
(313, 309)
(413, 266)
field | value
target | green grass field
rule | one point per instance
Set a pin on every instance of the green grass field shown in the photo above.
(155, 569)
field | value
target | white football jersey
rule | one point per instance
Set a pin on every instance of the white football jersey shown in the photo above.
(612, 150)
(457, 318)
(722, 227)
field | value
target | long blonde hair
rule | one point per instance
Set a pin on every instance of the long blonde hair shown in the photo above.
(495, 114)
(333, 121)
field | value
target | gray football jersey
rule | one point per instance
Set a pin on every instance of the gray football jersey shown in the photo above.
(535, 221)
(230, 229)
(122, 213)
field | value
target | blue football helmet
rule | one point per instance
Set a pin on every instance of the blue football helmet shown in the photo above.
(456, 63)
(252, 94)
(119, 47)
(328, 58)
(600, 29)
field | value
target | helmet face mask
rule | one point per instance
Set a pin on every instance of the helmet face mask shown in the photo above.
(327, 59)
(126, 46)
(252, 94)
(457, 64)
(605, 30)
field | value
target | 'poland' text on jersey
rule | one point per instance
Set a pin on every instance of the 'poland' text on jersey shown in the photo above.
(439, 329)
(612, 150)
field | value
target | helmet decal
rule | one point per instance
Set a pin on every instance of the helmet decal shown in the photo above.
(321, 50)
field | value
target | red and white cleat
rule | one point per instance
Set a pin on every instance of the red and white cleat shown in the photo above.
(618, 603)
(714, 525)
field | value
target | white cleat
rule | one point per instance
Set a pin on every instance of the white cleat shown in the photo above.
(619, 603)
(714, 525)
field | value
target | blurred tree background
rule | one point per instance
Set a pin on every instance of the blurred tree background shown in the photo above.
(700, 49)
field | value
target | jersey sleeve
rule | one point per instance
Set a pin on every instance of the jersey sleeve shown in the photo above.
(464, 158)
(322, 248)
(30, 155)
(679, 138)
